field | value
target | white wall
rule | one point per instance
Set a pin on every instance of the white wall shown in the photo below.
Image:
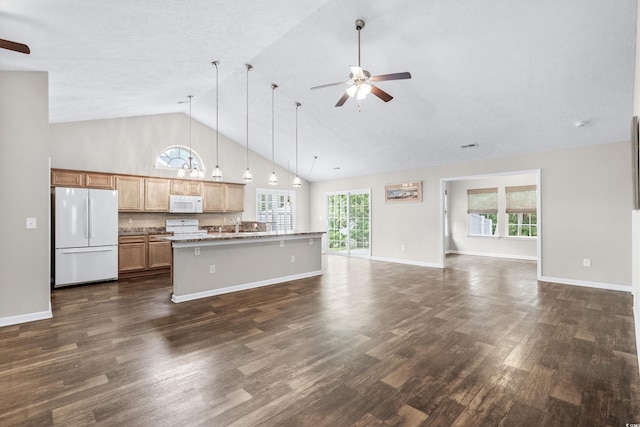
(24, 172)
(585, 202)
(131, 146)
(501, 245)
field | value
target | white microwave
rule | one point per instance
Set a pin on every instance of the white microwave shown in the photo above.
(185, 204)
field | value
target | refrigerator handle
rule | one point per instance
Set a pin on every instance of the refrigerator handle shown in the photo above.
(90, 219)
(86, 218)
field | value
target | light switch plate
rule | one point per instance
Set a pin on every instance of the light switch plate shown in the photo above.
(31, 223)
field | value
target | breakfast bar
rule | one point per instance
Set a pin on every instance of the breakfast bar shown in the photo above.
(219, 263)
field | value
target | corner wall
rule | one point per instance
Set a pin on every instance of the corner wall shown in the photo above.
(25, 286)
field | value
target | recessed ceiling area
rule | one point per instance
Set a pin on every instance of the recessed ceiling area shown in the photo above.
(511, 77)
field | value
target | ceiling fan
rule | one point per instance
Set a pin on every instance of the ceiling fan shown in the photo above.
(361, 80)
(16, 47)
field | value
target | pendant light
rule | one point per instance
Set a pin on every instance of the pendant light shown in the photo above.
(189, 167)
(217, 172)
(247, 176)
(273, 179)
(297, 182)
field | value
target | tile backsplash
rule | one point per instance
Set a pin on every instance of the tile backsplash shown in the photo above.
(149, 219)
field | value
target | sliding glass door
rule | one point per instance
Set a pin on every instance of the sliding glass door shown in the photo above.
(348, 219)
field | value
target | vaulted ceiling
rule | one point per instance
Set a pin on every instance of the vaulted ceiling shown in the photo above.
(511, 76)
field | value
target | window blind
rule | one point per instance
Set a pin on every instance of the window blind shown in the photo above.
(521, 199)
(482, 201)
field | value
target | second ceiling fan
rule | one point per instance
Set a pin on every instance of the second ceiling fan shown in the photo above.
(361, 80)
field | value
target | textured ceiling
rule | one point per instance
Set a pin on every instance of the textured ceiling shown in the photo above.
(511, 76)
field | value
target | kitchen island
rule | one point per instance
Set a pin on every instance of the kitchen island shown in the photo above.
(220, 263)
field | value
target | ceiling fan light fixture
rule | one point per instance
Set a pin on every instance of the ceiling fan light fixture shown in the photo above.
(352, 90)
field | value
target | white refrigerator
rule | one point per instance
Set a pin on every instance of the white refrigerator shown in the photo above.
(86, 235)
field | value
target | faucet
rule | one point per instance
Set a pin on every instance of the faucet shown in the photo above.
(236, 221)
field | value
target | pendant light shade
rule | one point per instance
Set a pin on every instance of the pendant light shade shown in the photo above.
(297, 182)
(189, 168)
(247, 176)
(217, 172)
(273, 179)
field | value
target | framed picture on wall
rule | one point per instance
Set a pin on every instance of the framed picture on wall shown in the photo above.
(403, 193)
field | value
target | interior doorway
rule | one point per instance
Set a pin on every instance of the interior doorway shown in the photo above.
(348, 223)
(511, 236)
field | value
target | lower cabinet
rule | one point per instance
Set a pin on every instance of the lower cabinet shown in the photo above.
(143, 255)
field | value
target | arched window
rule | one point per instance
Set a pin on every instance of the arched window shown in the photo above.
(174, 156)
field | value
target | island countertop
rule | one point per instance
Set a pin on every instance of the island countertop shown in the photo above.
(215, 237)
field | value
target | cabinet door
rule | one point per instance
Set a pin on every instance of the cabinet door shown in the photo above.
(235, 198)
(185, 187)
(156, 195)
(99, 180)
(130, 193)
(159, 253)
(61, 178)
(213, 197)
(132, 254)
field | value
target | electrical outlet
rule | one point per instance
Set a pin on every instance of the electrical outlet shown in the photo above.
(586, 262)
(404, 248)
(212, 269)
(293, 258)
(310, 242)
(130, 220)
(31, 223)
(196, 251)
(282, 243)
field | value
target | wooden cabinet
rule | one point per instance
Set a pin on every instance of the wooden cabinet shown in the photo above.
(143, 255)
(130, 193)
(184, 187)
(218, 197)
(72, 178)
(235, 198)
(132, 254)
(63, 178)
(156, 195)
(213, 199)
(159, 253)
(149, 194)
(99, 180)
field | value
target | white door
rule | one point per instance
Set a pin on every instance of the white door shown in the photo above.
(72, 221)
(103, 217)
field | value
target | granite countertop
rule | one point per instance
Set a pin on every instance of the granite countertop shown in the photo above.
(141, 231)
(241, 235)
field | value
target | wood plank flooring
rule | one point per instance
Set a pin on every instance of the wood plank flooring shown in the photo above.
(480, 343)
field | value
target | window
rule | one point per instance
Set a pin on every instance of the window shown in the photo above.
(277, 207)
(174, 156)
(521, 211)
(482, 208)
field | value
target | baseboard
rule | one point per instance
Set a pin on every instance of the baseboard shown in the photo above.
(586, 284)
(406, 261)
(636, 322)
(24, 318)
(243, 287)
(508, 256)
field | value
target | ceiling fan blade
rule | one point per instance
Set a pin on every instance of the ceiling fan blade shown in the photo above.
(394, 76)
(16, 47)
(381, 94)
(342, 100)
(330, 84)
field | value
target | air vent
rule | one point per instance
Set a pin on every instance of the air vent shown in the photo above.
(475, 144)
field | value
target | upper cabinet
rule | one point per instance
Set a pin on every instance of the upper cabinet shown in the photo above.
(235, 198)
(184, 187)
(130, 193)
(71, 178)
(156, 195)
(151, 194)
(220, 197)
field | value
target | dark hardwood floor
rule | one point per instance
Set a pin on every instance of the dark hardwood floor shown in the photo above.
(480, 343)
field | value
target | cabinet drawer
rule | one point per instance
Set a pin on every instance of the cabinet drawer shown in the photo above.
(123, 240)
